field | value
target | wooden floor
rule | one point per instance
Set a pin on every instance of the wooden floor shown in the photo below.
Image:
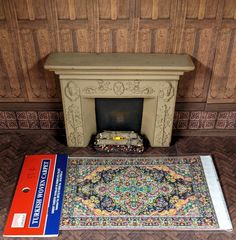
(13, 147)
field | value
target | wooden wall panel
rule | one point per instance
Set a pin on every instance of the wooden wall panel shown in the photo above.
(123, 9)
(193, 86)
(121, 40)
(223, 82)
(31, 29)
(71, 9)
(210, 9)
(104, 9)
(10, 86)
(75, 40)
(154, 33)
(74, 32)
(36, 41)
(113, 9)
(2, 14)
(186, 82)
(161, 40)
(198, 39)
(11, 78)
(229, 9)
(201, 9)
(82, 40)
(223, 77)
(203, 62)
(145, 41)
(66, 40)
(63, 9)
(36, 46)
(106, 41)
(30, 9)
(155, 9)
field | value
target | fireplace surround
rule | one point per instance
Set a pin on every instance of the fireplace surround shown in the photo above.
(86, 76)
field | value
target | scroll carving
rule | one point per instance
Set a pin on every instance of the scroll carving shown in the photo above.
(134, 87)
(119, 88)
(103, 87)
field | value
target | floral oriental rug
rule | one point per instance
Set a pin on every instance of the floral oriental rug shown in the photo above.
(178, 193)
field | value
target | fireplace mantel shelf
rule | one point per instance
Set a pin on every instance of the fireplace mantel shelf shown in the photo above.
(126, 61)
(86, 76)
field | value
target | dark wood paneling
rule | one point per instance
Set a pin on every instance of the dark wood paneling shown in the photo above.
(220, 107)
(31, 29)
(184, 106)
(208, 132)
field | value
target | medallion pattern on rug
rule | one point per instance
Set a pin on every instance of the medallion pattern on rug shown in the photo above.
(136, 193)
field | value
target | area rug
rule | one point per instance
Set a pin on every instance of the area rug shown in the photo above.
(174, 193)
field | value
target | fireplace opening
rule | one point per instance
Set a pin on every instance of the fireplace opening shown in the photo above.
(119, 114)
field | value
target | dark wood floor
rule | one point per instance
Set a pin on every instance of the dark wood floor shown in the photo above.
(13, 147)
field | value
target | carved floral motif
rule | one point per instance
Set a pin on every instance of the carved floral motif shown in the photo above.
(119, 88)
(163, 125)
(74, 121)
(167, 126)
(103, 87)
(134, 87)
(73, 115)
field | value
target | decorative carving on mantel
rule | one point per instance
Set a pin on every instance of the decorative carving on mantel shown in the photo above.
(72, 91)
(118, 88)
(74, 121)
(163, 125)
(167, 125)
(103, 87)
(73, 114)
(167, 92)
(134, 87)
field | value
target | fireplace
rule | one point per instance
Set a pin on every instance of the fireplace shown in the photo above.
(87, 77)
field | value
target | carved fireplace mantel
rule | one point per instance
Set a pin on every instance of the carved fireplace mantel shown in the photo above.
(84, 77)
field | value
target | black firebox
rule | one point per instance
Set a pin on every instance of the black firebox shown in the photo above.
(119, 114)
